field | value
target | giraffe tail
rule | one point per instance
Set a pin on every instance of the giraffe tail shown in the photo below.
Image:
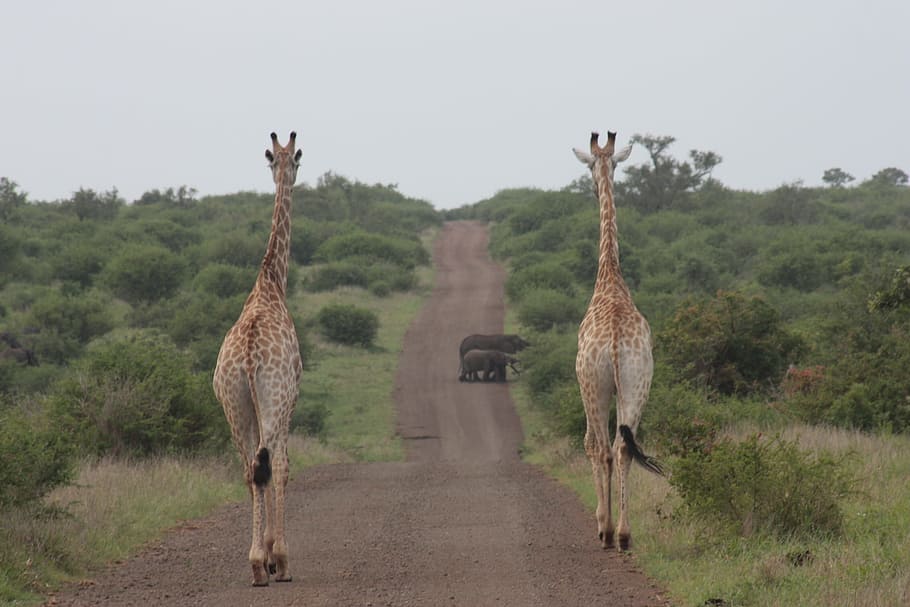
(262, 463)
(262, 467)
(647, 462)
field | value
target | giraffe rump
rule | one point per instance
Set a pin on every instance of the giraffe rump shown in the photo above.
(645, 461)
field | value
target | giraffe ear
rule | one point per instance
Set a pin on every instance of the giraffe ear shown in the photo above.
(298, 155)
(584, 157)
(622, 154)
(269, 156)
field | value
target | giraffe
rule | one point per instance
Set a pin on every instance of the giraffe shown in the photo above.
(257, 379)
(614, 358)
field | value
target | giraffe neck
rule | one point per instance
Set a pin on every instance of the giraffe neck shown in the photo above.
(608, 271)
(275, 262)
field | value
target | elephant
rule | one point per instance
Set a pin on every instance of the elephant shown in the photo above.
(491, 362)
(16, 351)
(22, 356)
(503, 343)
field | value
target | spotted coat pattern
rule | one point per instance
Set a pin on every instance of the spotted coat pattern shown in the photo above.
(614, 358)
(257, 379)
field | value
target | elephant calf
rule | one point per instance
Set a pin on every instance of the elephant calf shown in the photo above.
(504, 343)
(492, 363)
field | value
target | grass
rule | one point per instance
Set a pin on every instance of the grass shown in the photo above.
(868, 566)
(356, 383)
(114, 507)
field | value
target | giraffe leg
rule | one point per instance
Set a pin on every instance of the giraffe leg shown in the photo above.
(269, 536)
(279, 549)
(258, 554)
(602, 470)
(625, 463)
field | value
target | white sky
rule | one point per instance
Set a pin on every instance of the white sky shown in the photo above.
(452, 100)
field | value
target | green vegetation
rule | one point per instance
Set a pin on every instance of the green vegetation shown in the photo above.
(347, 324)
(111, 317)
(770, 311)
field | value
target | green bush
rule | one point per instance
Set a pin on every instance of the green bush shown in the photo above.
(544, 309)
(730, 343)
(361, 272)
(79, 262)
(549, 362)
(163, 231)
(679, 420)
(35, 457)
(66, 323)
(236, 248)
(762, 486)
(396, 277)
(550, 274)
(567, 411)
(310, 417)
(138, 397)
(399, 251)
(380, 288)
(224, 280)
(337, 274)
(144, 273)
(866, 390)
(346, 324)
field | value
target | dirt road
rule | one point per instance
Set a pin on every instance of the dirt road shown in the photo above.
(462, 522)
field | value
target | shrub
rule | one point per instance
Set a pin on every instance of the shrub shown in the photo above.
(165, 232)
(237, 249)
(337, 274)
(567, 411)
(380, 288)
(346, 324)
(679, 420)
(144, 273)
(550, 362)
(763, 486)
(79, 262)
(399, 251)
(396, 277)
(224, 280)
(548, 275)
(310, 417)
(66, 323)
(731, 343)
(138, 397)
(34, 456)
(545, 309)
(361, 272)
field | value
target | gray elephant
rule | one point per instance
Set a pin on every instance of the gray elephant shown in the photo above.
(492, 363)
(510, 344)
(22, 356)
(504, 343)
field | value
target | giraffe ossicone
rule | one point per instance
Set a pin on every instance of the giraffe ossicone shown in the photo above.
(614, 360)
(257, 379)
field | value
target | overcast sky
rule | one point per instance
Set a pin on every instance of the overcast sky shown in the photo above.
(452, 100)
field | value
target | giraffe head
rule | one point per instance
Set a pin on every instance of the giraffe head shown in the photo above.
(602, 160)
(283, 160)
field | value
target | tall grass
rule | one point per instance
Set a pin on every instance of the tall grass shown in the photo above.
(868, 566)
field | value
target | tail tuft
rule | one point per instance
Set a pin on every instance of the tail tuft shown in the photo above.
(262, 467)
(648, 463)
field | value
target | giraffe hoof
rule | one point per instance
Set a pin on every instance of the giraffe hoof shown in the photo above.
(606, 539)
(625, 543)
(286, 578)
